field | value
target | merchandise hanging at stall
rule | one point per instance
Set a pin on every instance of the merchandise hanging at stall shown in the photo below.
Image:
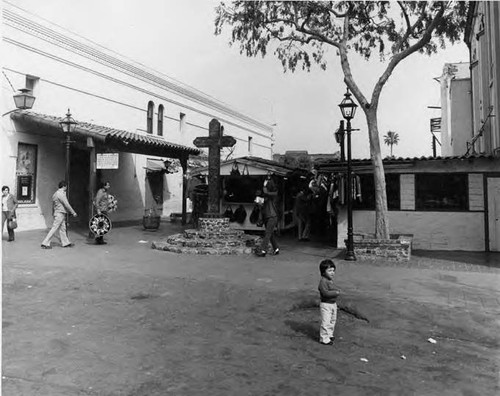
(241, 185)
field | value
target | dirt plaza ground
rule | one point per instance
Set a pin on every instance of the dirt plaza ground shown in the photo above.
(124, 319)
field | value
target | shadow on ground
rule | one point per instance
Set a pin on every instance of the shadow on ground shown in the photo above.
(488, 259)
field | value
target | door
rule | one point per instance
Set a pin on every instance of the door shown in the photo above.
(79, 186)
(494, 213)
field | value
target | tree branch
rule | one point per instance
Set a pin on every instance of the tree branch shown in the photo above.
(300, 27)
(405, 14)
(426, 37)
(330, 10)
(410, 28)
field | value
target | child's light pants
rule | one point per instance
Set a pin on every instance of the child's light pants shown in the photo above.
(328, 313)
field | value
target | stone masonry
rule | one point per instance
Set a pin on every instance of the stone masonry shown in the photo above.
(398, 248)
(214, 236)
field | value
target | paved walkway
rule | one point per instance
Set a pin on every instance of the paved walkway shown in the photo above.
(105, 320)
(426, 269)
(425, 259)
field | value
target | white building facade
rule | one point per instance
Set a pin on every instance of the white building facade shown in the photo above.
(456, 110)
(122, 107)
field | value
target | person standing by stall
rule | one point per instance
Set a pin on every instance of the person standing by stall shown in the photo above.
(101, 202)
(9, 206)
(303, 213)
(270, 217)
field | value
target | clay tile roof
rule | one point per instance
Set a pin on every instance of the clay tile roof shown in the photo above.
(111, 138)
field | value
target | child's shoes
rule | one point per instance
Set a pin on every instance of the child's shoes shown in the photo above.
(328, 343)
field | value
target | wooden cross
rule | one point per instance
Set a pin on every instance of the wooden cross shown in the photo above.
(214, 142)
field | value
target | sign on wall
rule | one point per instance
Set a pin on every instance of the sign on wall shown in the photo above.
(107, 160)
(26, 172)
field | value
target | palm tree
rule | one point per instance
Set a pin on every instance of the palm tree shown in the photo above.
(391, 139)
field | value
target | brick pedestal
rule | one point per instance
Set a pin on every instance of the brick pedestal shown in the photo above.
(398, 248)
(215, 223)
(214, 236)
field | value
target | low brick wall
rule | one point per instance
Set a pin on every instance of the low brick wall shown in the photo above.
(398, 248)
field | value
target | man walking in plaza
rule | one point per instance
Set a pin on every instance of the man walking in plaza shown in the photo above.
(60, 207)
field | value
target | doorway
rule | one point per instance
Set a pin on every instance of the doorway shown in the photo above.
(79, 185)
(494, 213)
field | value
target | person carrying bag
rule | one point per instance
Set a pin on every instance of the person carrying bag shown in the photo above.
(9, 206)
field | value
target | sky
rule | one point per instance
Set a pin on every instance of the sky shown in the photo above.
(176, 38)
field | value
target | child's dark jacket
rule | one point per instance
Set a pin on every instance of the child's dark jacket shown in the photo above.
(328, 291)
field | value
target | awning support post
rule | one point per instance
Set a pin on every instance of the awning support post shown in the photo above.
(183, 160)
(92, 177)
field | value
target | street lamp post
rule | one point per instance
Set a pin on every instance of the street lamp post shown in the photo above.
(68, 125)
(348, 109)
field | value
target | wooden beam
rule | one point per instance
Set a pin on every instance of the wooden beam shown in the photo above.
(92, 178)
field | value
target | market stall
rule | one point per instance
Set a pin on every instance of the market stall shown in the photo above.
(240, 181)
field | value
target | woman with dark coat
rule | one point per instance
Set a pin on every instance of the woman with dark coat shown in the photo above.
(9, 206)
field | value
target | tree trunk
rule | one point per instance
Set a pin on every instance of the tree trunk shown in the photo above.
(381, 220)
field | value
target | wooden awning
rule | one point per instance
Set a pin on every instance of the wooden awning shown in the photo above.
(111, 138)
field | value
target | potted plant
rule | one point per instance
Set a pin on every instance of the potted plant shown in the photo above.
(151, 219)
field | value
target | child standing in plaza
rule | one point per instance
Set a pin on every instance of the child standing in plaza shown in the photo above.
(328, 305)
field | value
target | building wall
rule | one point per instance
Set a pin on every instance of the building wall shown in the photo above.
(461, 124)
(434, 230)
(102, 88)
(431, 230)
(50, 170)
(483, 38)
(456, 125)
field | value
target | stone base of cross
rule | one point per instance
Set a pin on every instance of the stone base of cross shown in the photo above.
(215, 141)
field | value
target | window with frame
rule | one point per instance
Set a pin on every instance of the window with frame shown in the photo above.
(151, 111)
(441, 191)
(160, 120)
(367, 184)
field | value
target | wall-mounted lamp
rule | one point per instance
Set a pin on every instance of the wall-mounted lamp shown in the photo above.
(23, 100)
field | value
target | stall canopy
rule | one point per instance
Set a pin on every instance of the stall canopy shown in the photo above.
(110, 138)
(251, 162)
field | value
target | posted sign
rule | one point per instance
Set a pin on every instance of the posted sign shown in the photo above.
(107, 161)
